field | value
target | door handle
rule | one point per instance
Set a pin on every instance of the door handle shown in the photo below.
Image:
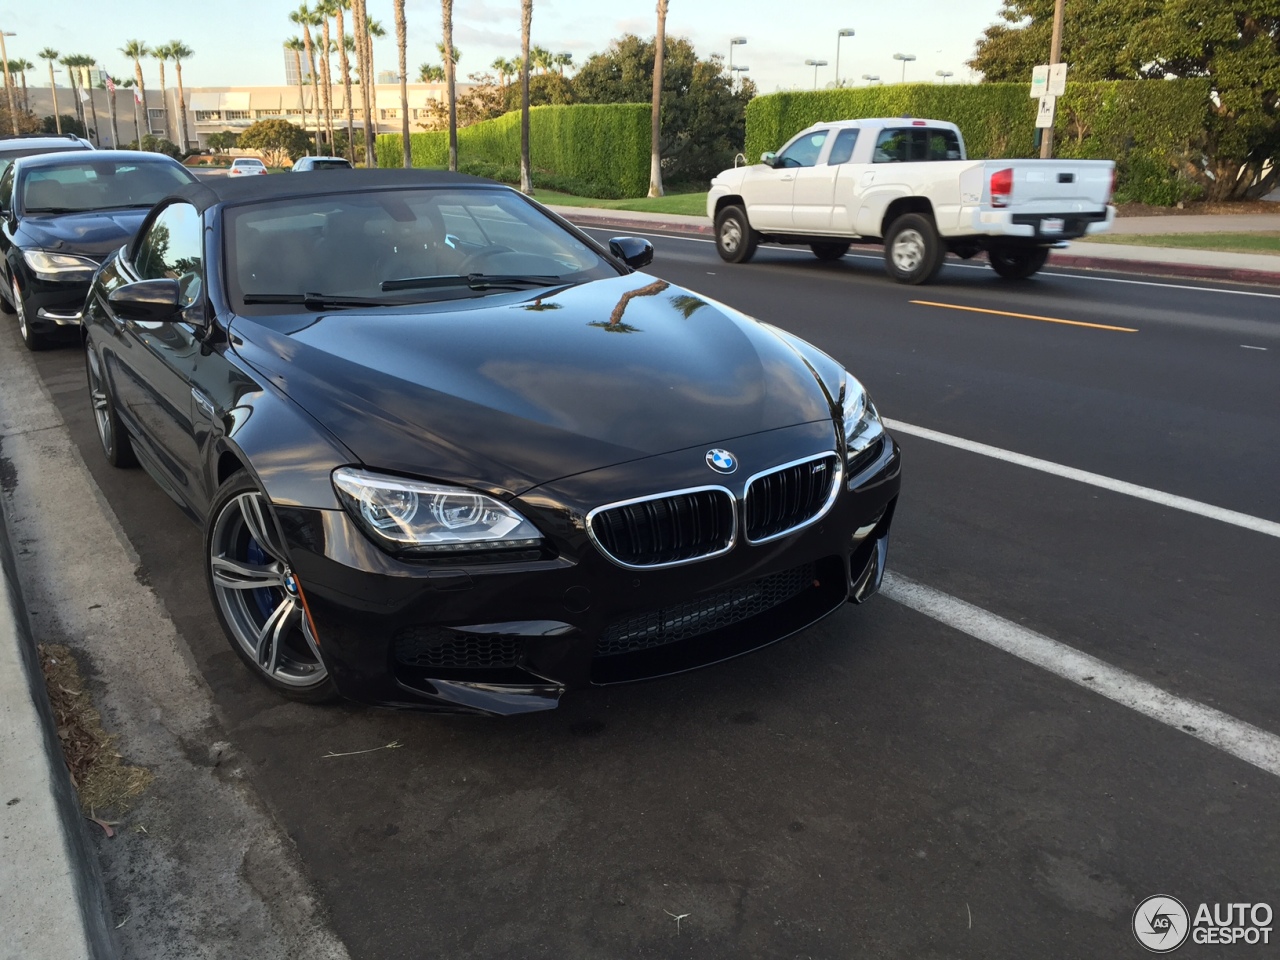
(789, 176)
(203, 402)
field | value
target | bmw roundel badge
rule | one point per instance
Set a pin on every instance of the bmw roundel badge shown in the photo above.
(721, 461)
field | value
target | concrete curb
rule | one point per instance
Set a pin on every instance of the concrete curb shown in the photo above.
(52, 899)
(1056, 259)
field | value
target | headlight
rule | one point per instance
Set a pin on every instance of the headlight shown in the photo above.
(59, 266)
(862, 426)
(410, 516)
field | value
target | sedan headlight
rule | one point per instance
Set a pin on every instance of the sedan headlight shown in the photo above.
(862, 426)
(59, 266)
(412, 516)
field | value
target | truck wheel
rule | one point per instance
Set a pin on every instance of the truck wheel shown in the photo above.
(829, 251)
(736, 242)
(1017, 263)
(913, 251)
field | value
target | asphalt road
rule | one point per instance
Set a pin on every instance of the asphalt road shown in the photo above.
(883, 785)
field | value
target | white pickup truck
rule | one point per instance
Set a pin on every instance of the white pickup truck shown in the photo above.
(906, 183)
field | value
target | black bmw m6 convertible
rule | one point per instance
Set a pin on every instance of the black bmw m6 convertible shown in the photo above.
(450, 452)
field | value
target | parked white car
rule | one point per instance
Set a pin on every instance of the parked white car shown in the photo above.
(906, 182)
(246, 167)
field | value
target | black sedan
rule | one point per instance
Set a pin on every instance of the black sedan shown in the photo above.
(61, 214)
(449, 452)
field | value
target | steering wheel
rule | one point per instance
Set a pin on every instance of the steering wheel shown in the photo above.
(480, 257)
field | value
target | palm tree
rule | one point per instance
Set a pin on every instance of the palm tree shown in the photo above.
(541, 58)
(447, 50)
(374, 31)
(70, 62)
(136, 50)
(563, 60)
(22, 66)
(50, 54)
(179, 51)
(526, 24)
(360, 27)
(161, 54)
(323, 10)
(295, 46)
(431, 73)
(344, 61)
(659, 48)
(401, 32)
(84, 62)
(303, 17)
(500, 66)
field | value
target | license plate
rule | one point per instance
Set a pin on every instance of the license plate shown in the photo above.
(1052, 225)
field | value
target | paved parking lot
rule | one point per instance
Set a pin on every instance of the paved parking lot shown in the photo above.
(886, 784)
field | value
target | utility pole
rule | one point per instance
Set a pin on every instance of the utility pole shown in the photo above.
(1055, 56)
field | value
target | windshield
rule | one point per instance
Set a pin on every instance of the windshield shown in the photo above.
(100, 185)
(10, 154)
(395, 246)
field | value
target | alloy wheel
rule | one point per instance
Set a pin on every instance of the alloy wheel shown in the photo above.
(98, 397)
(730, 235)
(259, 594)
(908, 250)
(21, 309)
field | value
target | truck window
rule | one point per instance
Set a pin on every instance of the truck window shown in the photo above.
(804, 152)
(916, 145)
(842, 149)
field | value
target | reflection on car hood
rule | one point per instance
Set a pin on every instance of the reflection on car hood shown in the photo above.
(92, 234)
(508, 392)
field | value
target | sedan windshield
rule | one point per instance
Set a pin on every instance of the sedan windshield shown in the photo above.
(100, 185)
(394, 246)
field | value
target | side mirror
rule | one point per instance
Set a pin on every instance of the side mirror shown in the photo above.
(768, 157)
(149, 301)
(632, 251)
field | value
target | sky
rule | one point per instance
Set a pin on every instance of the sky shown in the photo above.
(238, 42)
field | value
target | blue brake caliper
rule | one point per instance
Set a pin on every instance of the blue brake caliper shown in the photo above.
(262, 597)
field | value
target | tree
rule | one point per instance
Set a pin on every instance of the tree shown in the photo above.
(24, 121)
(221, 140)
(703, 118)
(50, 54)
(344, 62)
(431, 73)
(295, 46)
(1235, 44)
(526, 168)
(136, 50)
(323, 10)
(69, 61)
(85, 62)
(279, 141)
(179, 51)
(360, 26)
(161, 55)
(304, 18)
(21, 67)
(153, 144)
(401, 31)
(449, 52)
(655, 153)
(63, 124)
(562, 60)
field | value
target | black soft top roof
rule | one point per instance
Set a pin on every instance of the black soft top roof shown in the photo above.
(283, 186)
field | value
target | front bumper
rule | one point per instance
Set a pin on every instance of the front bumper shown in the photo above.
(54, 305)
(507, 638)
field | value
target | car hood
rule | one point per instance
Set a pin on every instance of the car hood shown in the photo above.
(92, 234)
(510, 391)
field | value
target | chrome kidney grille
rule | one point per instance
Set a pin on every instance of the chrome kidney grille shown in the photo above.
(667, 529)
(789, 497)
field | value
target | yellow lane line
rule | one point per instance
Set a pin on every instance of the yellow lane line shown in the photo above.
(1026, 316)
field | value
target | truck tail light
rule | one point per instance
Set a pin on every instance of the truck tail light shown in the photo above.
(1115, 178)
(1001, 187)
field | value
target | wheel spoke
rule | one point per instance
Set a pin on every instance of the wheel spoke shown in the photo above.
(99, 401)
(272, 635)
(240, 575)
(259, 523)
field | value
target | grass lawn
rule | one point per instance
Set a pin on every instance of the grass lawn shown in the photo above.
(687, 204)
(1261, 242)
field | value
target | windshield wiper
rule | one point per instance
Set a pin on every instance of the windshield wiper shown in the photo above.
(476, 281)
(320, 301)
(53, 210)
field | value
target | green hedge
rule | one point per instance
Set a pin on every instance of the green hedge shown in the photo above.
(601, 148)
(1153, 129)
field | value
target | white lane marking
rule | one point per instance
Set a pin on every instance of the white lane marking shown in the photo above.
(1251, 347)
(974, 266)
(1251, 744)
(1257, 524)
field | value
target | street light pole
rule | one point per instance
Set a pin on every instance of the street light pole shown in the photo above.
(8, 82)
(734, 42)
(943, 74)
(815, 64)
(905, 58)
(845, 32)
(871, 78)
(1055, 56)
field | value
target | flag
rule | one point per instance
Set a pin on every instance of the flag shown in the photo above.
(84, 95)
(137, 95)
(111, 85)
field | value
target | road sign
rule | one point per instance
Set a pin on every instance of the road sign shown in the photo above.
(1046, 113)
(1039, 81)
(1057, 80)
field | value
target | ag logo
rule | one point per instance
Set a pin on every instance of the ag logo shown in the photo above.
(1161, 924)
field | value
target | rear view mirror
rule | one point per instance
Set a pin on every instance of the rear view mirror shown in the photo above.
(150, 301)
(768, 157)
(632, 251)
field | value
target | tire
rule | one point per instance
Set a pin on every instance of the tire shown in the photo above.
(913, 251)
(1017, 263)
(116, 446)
(34, 339)
(829, 251)
(256, 596)
(736, 242)
(5, 305)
